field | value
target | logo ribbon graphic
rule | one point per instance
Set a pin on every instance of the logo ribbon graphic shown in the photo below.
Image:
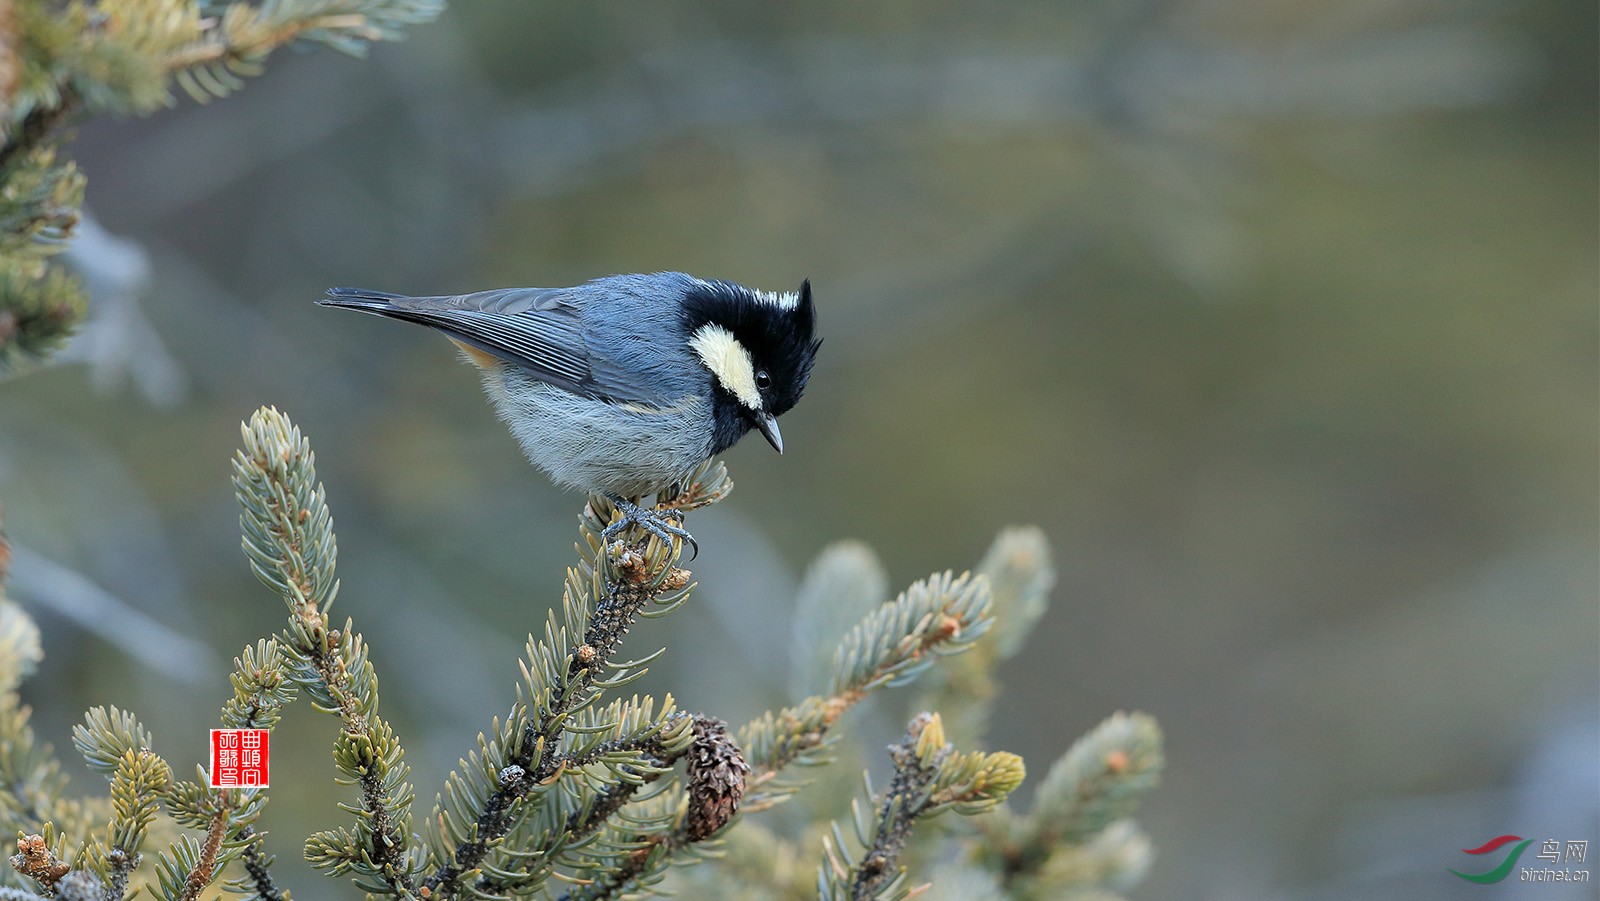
(1504, 869)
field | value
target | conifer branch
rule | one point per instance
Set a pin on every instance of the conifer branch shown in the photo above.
(257, 868)
(754, 854)
(1101, 779)
(585, 822)
(260, 689)
(929, 778)
(605, 595)
(62, 60)
(40, 303)
(566, 787)
(114, 743)
(185, 868)
(238, 40)
(120, 864)
(890, 646)
(289, 540)
(1020, 575)
(647, 747)
(200, 874)
(31, 780)
(715, 783)
(844, 584)
(36, 127)
(894, 644)
(649, 857)
(1090, 789)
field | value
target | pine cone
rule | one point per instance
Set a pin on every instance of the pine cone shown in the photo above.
(716, 778)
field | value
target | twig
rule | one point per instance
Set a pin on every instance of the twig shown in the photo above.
(388, 846)
(200, 876)
(122, 866)
(291, 547)
(650, 747)
(215, 46)
(538, 759)
(905, 800)
(805, 727)
(616, 883)
(716, 782)
(256, 865)
(584, 823)
(36, 126)
(945, 614)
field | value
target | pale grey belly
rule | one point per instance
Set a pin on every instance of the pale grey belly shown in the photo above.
(600, 447)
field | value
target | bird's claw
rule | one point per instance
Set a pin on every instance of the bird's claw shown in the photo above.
(651, 521)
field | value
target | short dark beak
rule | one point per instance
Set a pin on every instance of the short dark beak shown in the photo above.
(768, 424)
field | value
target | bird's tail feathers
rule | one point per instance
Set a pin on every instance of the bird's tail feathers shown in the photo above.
(360, 299)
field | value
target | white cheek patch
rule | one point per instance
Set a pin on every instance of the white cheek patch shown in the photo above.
(728, 361)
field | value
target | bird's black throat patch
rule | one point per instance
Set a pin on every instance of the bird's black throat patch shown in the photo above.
(730, 420)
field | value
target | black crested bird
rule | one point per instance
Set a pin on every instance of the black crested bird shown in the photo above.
(622, 386)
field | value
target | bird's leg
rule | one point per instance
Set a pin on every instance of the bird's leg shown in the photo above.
(649, 520)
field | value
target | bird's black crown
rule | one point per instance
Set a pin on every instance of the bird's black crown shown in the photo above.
(780, 337)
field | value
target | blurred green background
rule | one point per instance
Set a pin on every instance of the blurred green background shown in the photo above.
(1279, 318)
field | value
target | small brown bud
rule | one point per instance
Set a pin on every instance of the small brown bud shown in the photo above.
(676, 579)
(949, 627)
(629, 563)
(640, 854)
(1117, 761)
(34, 860)
(584, 655)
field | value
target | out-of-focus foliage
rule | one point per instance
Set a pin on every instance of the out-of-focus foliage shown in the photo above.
(62, 61)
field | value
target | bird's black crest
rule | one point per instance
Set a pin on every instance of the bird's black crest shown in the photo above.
(780, 339)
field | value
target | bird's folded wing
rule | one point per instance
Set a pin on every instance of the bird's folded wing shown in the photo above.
(539, 330)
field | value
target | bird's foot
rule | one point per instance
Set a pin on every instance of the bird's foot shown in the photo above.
(651, 521)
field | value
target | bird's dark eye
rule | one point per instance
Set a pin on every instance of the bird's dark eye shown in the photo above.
(763, 381)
